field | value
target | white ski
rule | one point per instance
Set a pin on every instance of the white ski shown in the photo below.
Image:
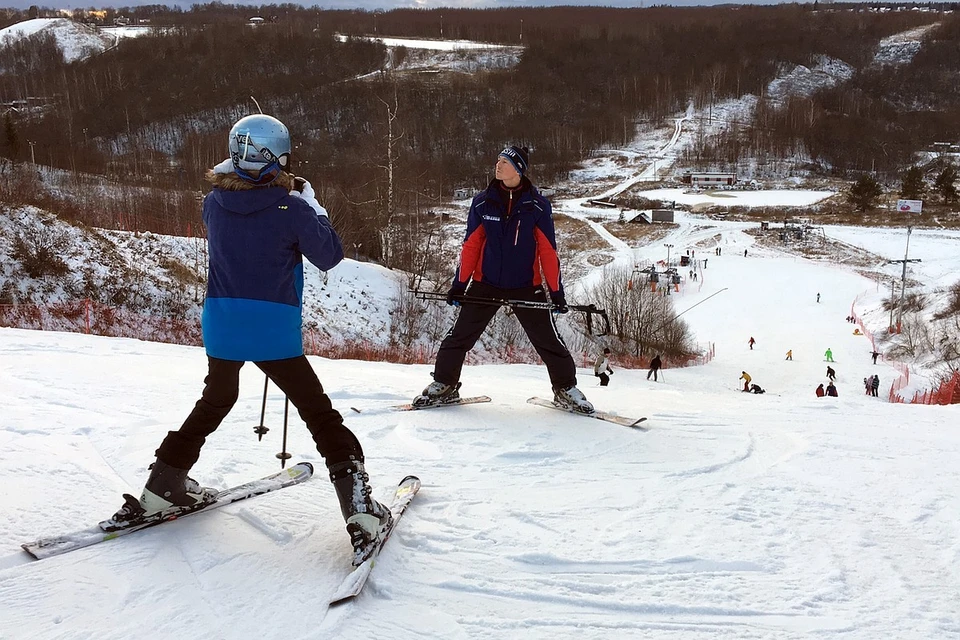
(353, 583)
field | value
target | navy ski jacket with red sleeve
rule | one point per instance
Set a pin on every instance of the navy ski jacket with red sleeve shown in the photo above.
(509, 239)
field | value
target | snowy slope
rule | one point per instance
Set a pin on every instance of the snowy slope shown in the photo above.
(76, 40)
(736, 516)
(154, 275)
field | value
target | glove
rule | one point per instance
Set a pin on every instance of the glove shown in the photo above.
(596, 375)
(304, 190)
(456, 291)
(559, 302)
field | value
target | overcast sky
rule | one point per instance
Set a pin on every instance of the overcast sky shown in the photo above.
(371, 5)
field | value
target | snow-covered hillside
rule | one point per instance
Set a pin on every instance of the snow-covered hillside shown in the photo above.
(736, 515)
(900, 48)
(76, 40)
(157, 275)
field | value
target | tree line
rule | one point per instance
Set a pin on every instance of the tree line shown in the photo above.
(382, 147)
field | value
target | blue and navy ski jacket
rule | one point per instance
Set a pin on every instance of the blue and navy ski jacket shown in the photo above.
(257, 239)
(509, 238)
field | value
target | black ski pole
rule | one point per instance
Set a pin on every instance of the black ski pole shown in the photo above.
(260, 429)
(283, 455)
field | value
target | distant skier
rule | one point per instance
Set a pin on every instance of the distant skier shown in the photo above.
(744, 253)
(831, 373)
(746, 380)
(875, 385)
(874, 354)
(828, 354)
(755, 388)
(601, 368)
(820, 392)
(868, 385)
(818, 297)
(261, 222)
(832, 390)
(751, 342)
(655, 365)
(789, 354)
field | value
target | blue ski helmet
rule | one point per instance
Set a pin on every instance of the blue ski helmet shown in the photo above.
(260, 148)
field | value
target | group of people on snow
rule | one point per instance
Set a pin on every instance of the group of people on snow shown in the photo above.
(261, 222)
(871, 383)
(831, 390)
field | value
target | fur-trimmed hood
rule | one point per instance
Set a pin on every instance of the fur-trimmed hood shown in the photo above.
(232, 182)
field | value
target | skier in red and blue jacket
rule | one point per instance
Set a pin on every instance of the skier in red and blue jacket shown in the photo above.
(508, 243)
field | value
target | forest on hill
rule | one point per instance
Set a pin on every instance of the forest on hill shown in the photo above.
(152, 112)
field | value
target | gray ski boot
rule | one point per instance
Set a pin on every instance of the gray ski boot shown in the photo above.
(367, 520)
(166, 488)
(438, 393)
(572, 398)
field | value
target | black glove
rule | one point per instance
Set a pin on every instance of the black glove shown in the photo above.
(298, 183)
(456, 292)
(559, 302)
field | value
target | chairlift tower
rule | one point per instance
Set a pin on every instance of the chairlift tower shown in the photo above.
(903, 277)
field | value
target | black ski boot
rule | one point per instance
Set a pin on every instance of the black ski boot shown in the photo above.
(167, 487)
(367, 520)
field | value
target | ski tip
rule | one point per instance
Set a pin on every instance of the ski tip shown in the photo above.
(410, 479)
(28, 547)
(308, 465)
(354, 409)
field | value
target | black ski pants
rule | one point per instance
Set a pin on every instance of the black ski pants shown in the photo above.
(652, 372)
(472, 321)
(295, 377)
(604, 379)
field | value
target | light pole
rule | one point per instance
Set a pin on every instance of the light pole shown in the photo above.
(668, 246)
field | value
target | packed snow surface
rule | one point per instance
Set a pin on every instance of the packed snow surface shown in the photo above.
(736, 515)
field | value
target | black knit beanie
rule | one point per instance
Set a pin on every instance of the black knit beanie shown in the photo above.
(518, 157)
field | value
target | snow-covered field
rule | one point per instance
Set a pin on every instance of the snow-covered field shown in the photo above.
(737, 515)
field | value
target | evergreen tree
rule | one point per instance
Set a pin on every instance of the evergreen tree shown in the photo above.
(864, 192)
(944, 184)
(913, 186)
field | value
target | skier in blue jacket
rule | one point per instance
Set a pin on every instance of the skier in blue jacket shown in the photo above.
(261, 221)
